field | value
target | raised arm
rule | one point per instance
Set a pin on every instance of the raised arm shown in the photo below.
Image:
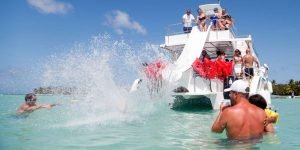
(220, 123)
(28, 109)
(50, 105)
(197, 20)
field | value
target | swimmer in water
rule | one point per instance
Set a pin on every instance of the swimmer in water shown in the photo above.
(30, 104)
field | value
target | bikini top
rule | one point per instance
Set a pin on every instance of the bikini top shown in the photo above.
(202, 18)
(237, 59)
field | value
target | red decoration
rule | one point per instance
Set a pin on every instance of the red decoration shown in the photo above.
(153, 70)
(210, 70)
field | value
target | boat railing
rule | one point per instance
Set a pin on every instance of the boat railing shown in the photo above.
(177, 28)
(174, 29)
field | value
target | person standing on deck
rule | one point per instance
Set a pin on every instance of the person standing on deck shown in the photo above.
(187, 20)
(241, 120)
(248, 63)
(237, 63)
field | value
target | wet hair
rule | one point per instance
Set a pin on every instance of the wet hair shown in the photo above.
(29, 96)
(258, 101)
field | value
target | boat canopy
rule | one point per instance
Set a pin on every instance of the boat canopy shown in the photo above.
(208, 9)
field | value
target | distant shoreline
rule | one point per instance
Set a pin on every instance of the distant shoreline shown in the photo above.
(285, 96)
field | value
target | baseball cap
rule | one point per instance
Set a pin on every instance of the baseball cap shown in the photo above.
(241, 86)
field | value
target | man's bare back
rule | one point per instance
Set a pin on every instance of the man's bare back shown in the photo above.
(243, 121)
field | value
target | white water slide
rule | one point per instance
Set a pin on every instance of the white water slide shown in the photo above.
(190, 52)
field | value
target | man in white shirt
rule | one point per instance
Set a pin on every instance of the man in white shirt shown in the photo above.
(187, 21)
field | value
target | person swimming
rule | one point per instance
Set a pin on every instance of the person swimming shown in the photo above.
(30, 104)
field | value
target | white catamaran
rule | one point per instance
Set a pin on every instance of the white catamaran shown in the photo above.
(199, 91)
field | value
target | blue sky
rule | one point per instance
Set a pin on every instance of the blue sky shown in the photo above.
(32, 30)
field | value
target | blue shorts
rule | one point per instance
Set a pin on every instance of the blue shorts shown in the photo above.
(215, 20)
(187, 29)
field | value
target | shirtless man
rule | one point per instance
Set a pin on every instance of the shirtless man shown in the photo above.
(241, 120)
(248, 63)
(30, 104)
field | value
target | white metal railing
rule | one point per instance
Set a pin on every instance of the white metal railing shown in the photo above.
(173, 29)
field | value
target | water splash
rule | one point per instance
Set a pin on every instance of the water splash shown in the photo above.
(100, 73)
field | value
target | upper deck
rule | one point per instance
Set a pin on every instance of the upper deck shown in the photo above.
(226, 40)
(216, 40)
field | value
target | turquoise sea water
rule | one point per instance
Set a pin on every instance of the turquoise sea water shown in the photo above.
(76, 126)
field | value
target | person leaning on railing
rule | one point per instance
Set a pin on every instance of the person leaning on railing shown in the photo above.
(187, 20)
(225, 20)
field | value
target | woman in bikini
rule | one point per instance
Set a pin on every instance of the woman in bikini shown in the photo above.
(237, 63)
(222, 17)
(201, 21)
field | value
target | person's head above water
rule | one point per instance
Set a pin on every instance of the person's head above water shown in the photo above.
(30, 98)
(258, 101)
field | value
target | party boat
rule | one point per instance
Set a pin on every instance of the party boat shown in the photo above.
(199, 91)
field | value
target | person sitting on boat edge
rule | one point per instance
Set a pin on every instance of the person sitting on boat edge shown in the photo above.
(30, 104)
(225, 20)
(228, 21)
(187, 20)
(241, 120)
(201, 21)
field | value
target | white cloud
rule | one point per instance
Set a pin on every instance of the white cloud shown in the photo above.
(121, 20)
(50, 6)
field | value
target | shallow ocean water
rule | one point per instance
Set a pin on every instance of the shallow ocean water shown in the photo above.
(147, 125)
